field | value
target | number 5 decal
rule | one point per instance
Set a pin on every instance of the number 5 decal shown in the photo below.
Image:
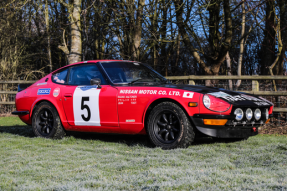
(86, 106)
(83, 106)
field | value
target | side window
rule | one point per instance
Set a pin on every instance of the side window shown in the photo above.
(82, 75)
(60, 77)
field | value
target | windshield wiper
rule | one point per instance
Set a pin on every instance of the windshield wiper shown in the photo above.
(134, 81)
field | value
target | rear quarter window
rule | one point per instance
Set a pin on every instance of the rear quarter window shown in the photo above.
(60, 77)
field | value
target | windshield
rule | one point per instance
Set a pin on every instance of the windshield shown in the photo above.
(131, 72)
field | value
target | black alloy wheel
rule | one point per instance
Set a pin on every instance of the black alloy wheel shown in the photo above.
(167, 127)
(46, 121)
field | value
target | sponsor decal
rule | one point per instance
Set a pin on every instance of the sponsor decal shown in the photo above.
(130, 120)
(56, 92)
(40, 84)
(241, 97)
(151, 92)
(86, 106)
(188, 95)
(219, 94)
(44, 91)
(261, 103)
(266, 100)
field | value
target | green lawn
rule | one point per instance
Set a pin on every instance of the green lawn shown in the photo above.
(120, 162)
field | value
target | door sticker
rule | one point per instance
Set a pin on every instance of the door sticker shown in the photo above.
(86, 106)
(44, 91)
(56, 92)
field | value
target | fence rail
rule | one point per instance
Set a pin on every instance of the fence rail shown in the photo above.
(191, 81)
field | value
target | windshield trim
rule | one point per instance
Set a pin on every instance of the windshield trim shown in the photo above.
(127, 61)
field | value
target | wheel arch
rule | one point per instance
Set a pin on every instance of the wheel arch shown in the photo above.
(39, 101)
(158, 101)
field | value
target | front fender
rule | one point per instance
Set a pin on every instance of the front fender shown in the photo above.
(183, 102)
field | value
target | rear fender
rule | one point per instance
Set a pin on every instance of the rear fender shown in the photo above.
(54, 102)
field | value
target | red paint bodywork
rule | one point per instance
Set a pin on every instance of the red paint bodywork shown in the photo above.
(119, 112)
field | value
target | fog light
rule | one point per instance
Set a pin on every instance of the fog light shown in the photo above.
(248, 114)
(257, 114)
(266, 113)
(239, 114)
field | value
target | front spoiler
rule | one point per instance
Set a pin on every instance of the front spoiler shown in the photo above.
(226, 131)
(20, 112)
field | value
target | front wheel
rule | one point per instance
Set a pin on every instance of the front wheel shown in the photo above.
(46, 122)
(168, 127)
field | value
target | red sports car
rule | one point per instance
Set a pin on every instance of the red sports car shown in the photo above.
(116, 96)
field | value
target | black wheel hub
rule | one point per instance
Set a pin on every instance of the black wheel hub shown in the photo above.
(166, 127)
(45, 122)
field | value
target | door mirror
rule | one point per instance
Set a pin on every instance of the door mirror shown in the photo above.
(96, 81)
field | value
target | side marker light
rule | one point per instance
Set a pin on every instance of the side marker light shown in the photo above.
(192, 104)
(214, 121)
(267, 121)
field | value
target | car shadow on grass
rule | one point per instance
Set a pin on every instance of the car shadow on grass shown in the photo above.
(21, 130)
(130, 140)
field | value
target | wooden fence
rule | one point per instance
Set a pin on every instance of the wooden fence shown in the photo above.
(191, 79)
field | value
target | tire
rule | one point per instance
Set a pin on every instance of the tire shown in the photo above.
(168, 127)
(46, 122)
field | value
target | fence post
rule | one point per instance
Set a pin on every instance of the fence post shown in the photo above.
(255, 85)
(191, 82)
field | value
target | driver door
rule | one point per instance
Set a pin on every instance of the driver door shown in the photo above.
(87, 105)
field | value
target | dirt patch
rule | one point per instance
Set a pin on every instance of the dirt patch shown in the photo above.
(8, 115)
(276, 127)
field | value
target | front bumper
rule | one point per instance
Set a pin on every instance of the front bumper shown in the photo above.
(229, 130)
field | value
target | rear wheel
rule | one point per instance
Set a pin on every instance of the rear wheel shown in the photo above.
(46, 122)
(168, 127)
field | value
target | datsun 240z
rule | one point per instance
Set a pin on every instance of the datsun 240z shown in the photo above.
(125, 97)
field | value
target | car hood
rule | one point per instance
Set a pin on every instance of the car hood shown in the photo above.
(235, 98)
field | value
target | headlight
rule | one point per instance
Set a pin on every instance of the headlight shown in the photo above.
(248, 114)
(215, 104)
(257, 114)
(206, 101)
(266, 114)
(239, 114)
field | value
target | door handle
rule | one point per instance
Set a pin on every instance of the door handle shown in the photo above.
(68, 95)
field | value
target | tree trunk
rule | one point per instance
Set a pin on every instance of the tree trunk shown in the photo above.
(75, 54)
(228, 65)
(48, 34)
(138, 30)
(241, 51)
(268, 46)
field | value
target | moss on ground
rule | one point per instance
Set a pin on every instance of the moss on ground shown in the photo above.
(85, 161)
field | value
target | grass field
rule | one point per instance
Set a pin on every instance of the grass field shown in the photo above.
(120, 162)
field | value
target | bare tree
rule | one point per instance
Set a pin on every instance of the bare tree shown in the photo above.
(75, 52)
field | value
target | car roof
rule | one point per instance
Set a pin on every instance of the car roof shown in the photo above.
(91, 61)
